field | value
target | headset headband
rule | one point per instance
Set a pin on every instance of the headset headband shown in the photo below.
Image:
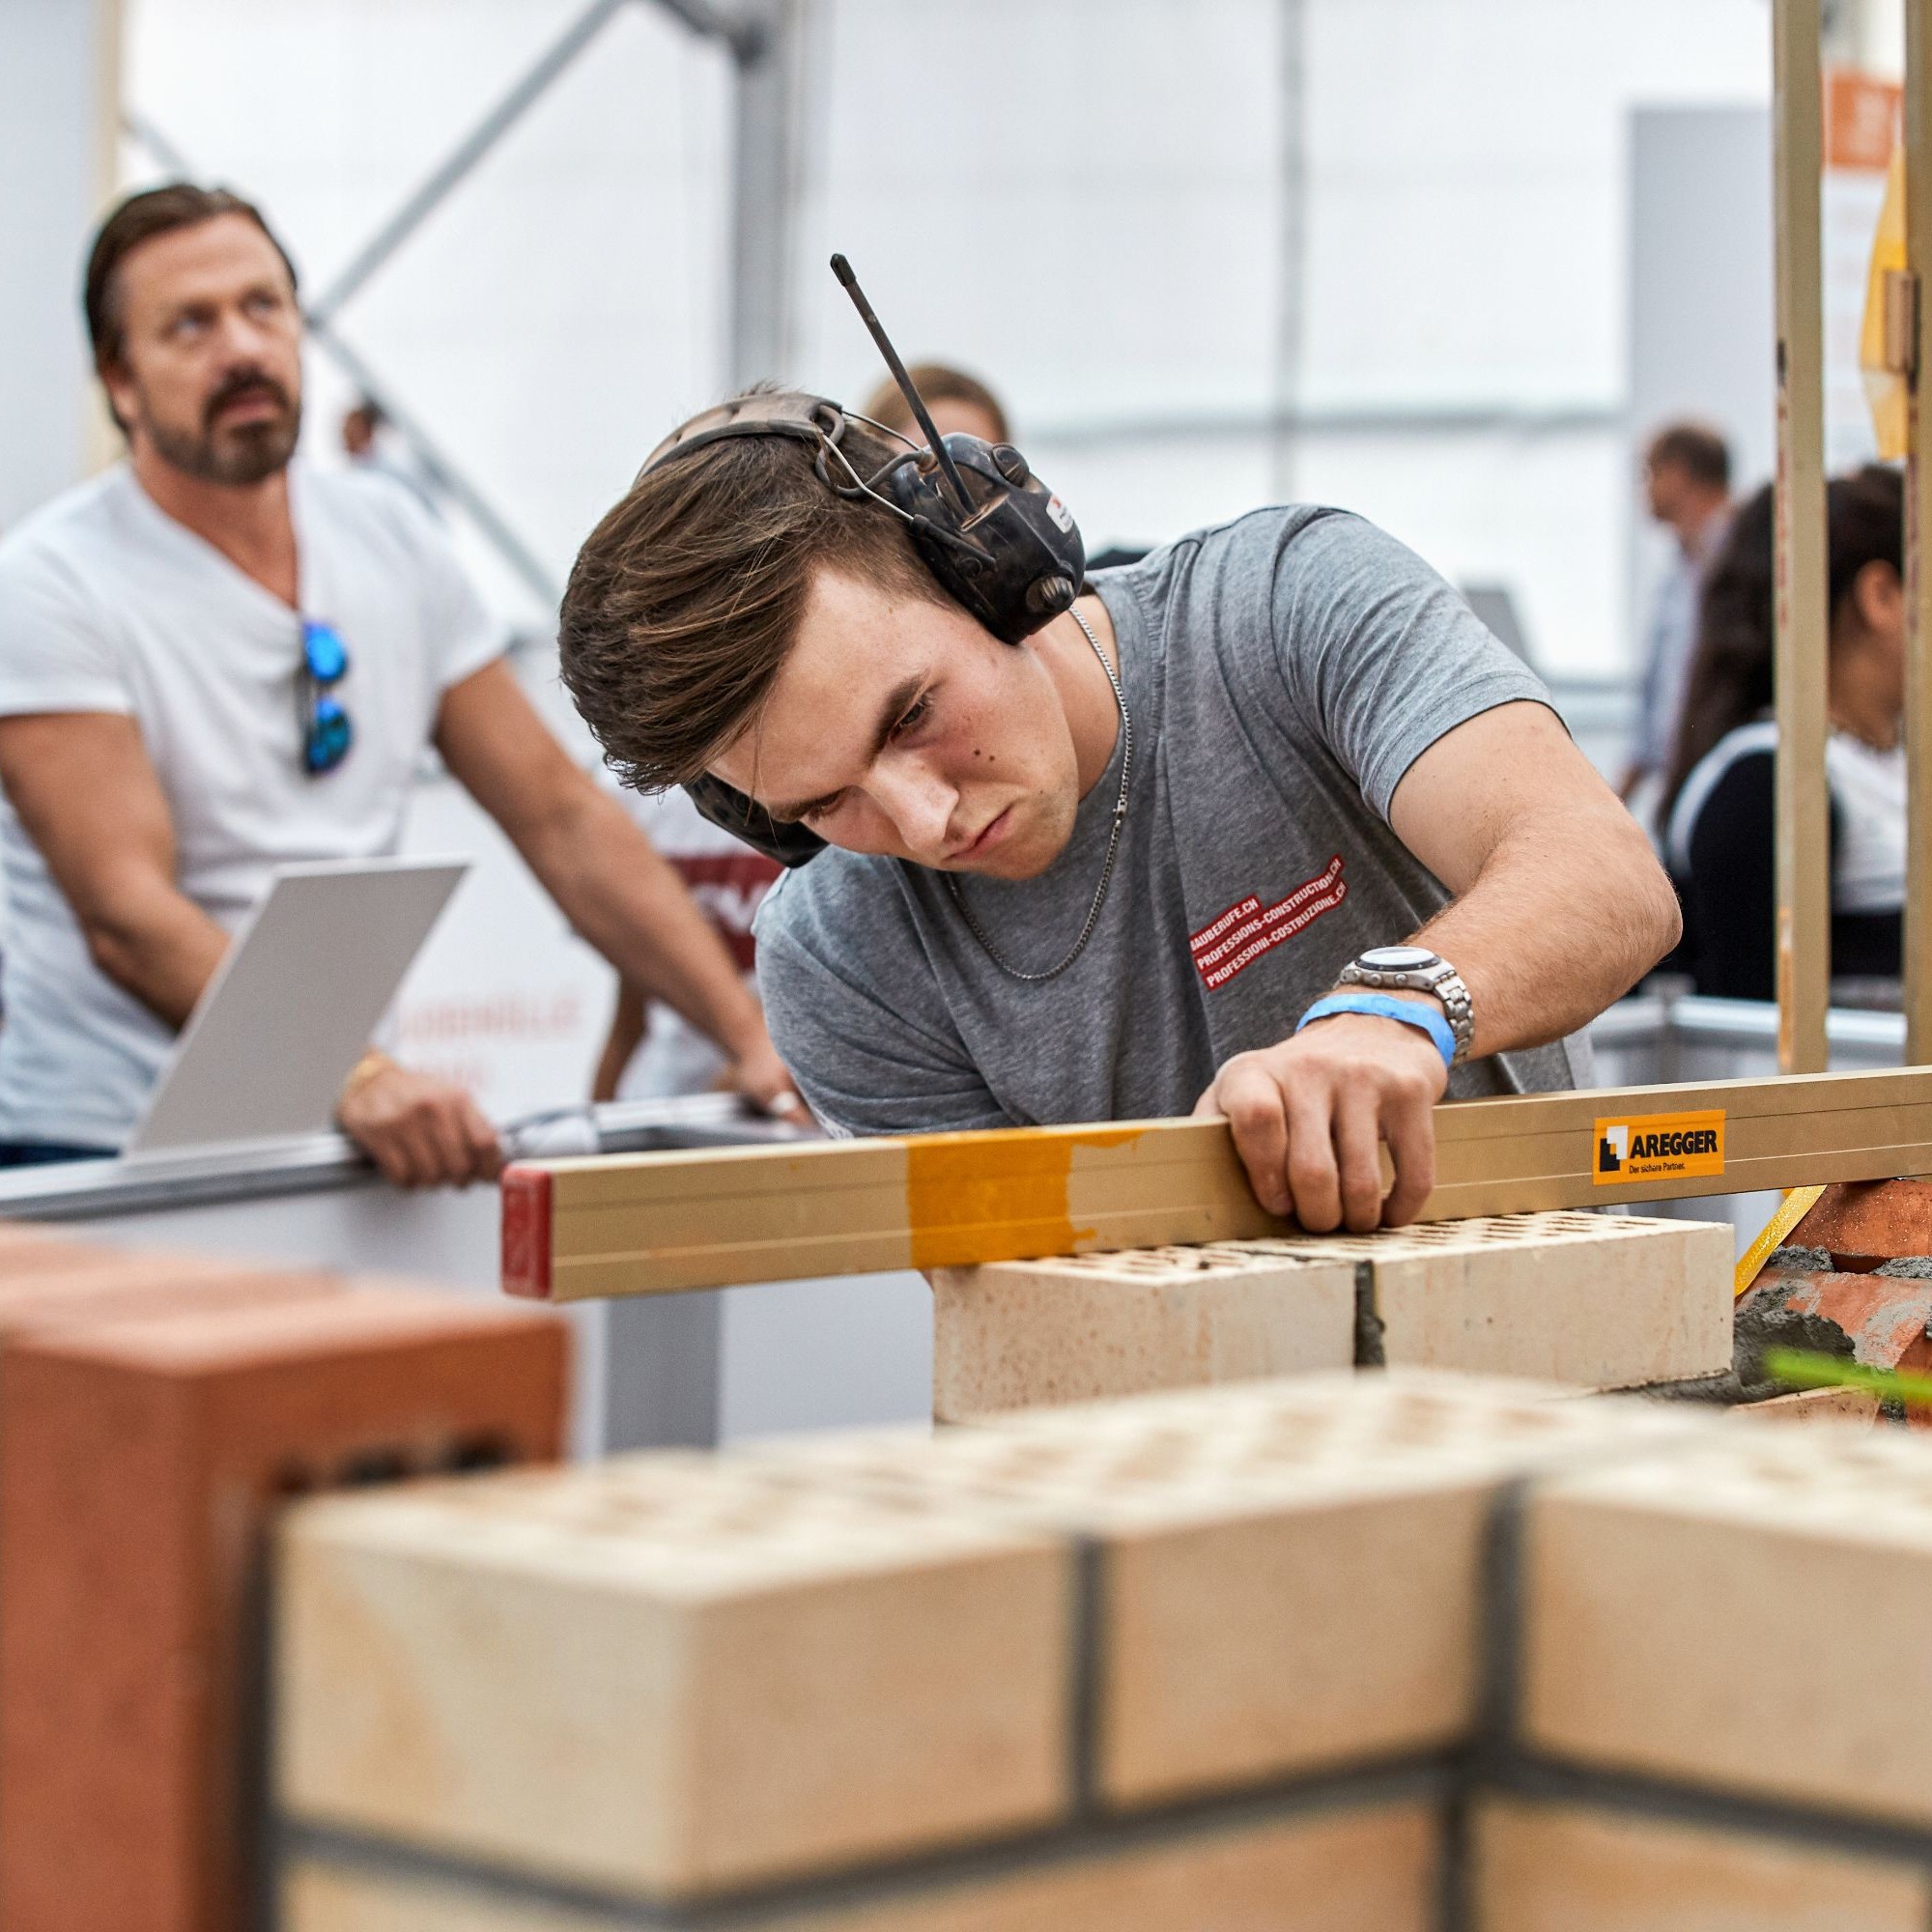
(812, 419)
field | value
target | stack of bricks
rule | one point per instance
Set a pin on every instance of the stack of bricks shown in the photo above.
(1331, 1654)
(155, 1411)
(1595, 1301)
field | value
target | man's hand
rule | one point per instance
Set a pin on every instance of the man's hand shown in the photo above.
(759, 1074)
(1310, 1116)
(420, 1133)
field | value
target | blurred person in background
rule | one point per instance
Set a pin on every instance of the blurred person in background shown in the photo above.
(650, 1052)
(1719, 804)
(214, 660)
(370, 441)
(1688, 490)
(959, 403)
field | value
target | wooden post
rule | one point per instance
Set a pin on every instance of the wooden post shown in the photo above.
(1803, 846)
(1917, 579)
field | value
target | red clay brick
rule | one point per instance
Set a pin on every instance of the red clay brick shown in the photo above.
(27, 1247)
(138, 1465)
(127, 1285)
(1885, 1317)
(1863, 1223)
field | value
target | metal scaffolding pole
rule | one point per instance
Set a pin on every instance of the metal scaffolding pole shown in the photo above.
(764, 152)
(1804, 844)
(1918, 356)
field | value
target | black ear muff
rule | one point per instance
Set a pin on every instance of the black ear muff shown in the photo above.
(789, 843)
(1015, 559)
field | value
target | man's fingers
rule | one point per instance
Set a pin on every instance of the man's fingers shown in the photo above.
(388, 1147)
(1312, 1177)
(1208, 1106)
(1252, 1102)
(1358, 1160)
(1408, 1124)
(486, 1147)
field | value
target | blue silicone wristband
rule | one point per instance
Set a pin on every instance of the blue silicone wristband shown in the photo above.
(1411, 1012)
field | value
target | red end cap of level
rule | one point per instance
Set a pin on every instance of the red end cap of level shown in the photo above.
(526, 1232)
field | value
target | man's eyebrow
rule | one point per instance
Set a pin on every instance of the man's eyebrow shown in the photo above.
(897, 701)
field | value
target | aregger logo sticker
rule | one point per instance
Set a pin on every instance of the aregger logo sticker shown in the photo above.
(1658, 1146)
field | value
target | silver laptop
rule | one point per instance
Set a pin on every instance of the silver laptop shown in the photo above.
(294, 1003)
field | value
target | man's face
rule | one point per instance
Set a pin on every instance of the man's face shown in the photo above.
(209, 370)
(901, 726)
(953, 415)
(1667, 487)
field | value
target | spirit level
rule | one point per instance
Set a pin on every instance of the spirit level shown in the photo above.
(655, 1223)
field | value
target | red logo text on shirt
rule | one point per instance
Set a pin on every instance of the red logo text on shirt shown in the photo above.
(1246, 930)
(728, 886)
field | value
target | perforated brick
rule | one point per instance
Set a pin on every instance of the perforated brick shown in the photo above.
(1596, 1300)
(1023, 1334)
(1559, 1868)
(725, 1680)
(1286, 1573)
(1749, 1614)
(1345, 1870)
(138, 1462)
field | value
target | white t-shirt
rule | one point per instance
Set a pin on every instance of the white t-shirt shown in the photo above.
(107, 604)
(727, 879)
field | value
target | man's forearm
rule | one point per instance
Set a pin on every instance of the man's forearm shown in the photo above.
(159, 947)
(1563, 920)
(624, 899)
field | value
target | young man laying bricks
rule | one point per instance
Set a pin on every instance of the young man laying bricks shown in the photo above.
(1103, 858)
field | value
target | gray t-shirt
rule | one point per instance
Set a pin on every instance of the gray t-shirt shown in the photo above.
(1283, 673)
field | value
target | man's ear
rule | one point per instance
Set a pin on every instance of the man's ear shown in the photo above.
(118, 387)
(1878, 595)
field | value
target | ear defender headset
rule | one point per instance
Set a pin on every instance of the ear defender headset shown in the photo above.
(996, 541)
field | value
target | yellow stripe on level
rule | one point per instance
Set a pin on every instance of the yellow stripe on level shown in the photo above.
(1797, 1203)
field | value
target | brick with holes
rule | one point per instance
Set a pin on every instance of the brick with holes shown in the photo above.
(1286, 1574)
(1597, 1301)
(1747, 1615)
(725, 1680)
(1022, 1334)
(1594, 1300)
(1334, 1867)
(1567, 1869)
(138, 1462)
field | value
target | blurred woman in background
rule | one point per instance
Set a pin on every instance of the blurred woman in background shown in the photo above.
(1719, 809)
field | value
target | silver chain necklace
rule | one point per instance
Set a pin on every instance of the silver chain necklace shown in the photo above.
(1113, 839)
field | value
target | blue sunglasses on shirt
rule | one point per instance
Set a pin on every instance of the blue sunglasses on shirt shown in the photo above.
(327, 731)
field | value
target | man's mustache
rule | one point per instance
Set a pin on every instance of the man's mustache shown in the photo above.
(244, 383)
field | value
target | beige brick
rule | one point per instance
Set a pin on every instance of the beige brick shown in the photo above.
(1359, 1870)
(660, 1675)
(1288, 1570)
(1024, 1334)
(1598, 1300)
(1749, 1613)
(1556, 1869)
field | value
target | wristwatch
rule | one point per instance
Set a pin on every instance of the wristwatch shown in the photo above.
(1414, 969)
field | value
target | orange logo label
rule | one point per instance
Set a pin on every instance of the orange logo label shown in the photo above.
(1658, 1146)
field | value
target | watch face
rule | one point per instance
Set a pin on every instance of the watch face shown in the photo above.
(1397, 958)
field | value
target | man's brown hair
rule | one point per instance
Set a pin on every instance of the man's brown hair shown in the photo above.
(936, 383)
(140, 217)
(1701, 453)
(685, 599)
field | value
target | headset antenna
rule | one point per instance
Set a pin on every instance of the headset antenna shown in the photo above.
(843, 269)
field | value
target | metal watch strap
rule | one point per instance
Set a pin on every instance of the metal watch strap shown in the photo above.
(1440, 980)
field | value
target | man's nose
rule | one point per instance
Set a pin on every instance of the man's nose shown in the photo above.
(921, 804)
